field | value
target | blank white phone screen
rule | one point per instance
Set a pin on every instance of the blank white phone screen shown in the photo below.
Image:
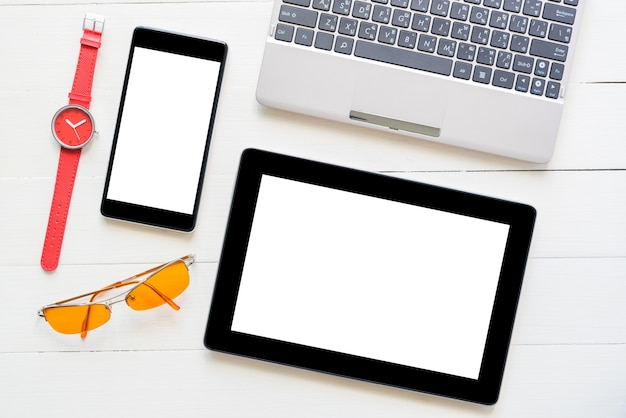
(370, 277)
(163, 130)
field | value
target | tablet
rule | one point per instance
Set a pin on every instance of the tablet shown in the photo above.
(369, 276)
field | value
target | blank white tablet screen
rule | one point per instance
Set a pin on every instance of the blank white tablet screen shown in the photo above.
(370, 277)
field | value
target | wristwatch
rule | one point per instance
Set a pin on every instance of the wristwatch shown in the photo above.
(73, 127)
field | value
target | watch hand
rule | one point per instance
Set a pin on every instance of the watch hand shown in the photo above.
(80, 123)
(77, 136)
(70, 123)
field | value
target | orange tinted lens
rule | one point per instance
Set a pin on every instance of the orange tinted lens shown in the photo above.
(76, 319)
(167, 283)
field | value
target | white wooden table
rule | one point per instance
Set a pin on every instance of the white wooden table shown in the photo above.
(568, 355)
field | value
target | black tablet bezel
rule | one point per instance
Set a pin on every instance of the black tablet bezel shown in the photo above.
(255, 163)
(174, 43)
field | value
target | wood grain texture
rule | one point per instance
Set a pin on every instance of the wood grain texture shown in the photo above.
(568, 356)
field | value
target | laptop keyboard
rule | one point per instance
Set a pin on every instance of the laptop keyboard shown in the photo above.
(520, 45)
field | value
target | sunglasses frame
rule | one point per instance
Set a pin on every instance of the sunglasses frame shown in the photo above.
(135, 280)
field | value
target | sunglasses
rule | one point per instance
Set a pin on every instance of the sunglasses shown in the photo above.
(150, 289)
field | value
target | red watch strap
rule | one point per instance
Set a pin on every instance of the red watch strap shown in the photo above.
(66, 174)
(68, 159)
(83, 78)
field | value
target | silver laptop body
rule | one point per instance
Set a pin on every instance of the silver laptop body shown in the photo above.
(488, 75)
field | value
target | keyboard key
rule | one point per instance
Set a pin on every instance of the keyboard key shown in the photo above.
(480, 35)
(522, 84)
(440, 27)
(459, 11)
(407, 39)
(324, 41)
(482, 74)
(420, 5)
(479, 15)
(523, 64)
(560, 33)
(328, 22)
(344, 45)
(362, 10)
(538, 28)
(400, 3)
(387, 35)
(298, 16)
(560, 14)
(499, 20)
(538, 86)
(447, 48)
(421, 22)
(462, 70)
(440, 7)
(347, 26)
(556, 71)
(532, 8)
(541, 68)
(460, 31)
(467, 52)
(381, 14)
(284, 32)
(426, 43)
(518, 24)
(304, 37)
(303, 3)
(504, 60)
(492, 3)
(519, 43)
(342, 7)
(486, 56)
(514, 6)
(553, 90)
(548, 50)
(321, 5)
(405, 58)
(500, 39)
(503, 79)
(401, 18)
(368, 31)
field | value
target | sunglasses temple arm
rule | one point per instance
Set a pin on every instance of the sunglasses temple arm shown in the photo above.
(83, 332)
(188, 260)
(162, 296)
(97, 292)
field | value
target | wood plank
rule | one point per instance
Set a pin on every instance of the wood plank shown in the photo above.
(564, 301)
(580, 214)
(539, 382)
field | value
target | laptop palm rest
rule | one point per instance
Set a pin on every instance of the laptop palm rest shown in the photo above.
(399, 100)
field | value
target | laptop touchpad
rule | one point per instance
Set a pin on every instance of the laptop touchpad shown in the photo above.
(400, 100)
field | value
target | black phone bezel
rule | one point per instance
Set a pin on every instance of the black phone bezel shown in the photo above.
(255, 163)
(174, 43)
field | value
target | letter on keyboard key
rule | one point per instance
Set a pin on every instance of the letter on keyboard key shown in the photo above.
(405, 58)
(549, 50)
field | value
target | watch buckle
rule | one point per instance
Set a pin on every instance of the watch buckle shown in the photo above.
(93, 22)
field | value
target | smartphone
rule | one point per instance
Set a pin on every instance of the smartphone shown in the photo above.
(163, 130)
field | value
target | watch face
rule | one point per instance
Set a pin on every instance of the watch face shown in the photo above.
(72, 126)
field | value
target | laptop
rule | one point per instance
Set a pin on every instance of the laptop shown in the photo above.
(487, 75)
